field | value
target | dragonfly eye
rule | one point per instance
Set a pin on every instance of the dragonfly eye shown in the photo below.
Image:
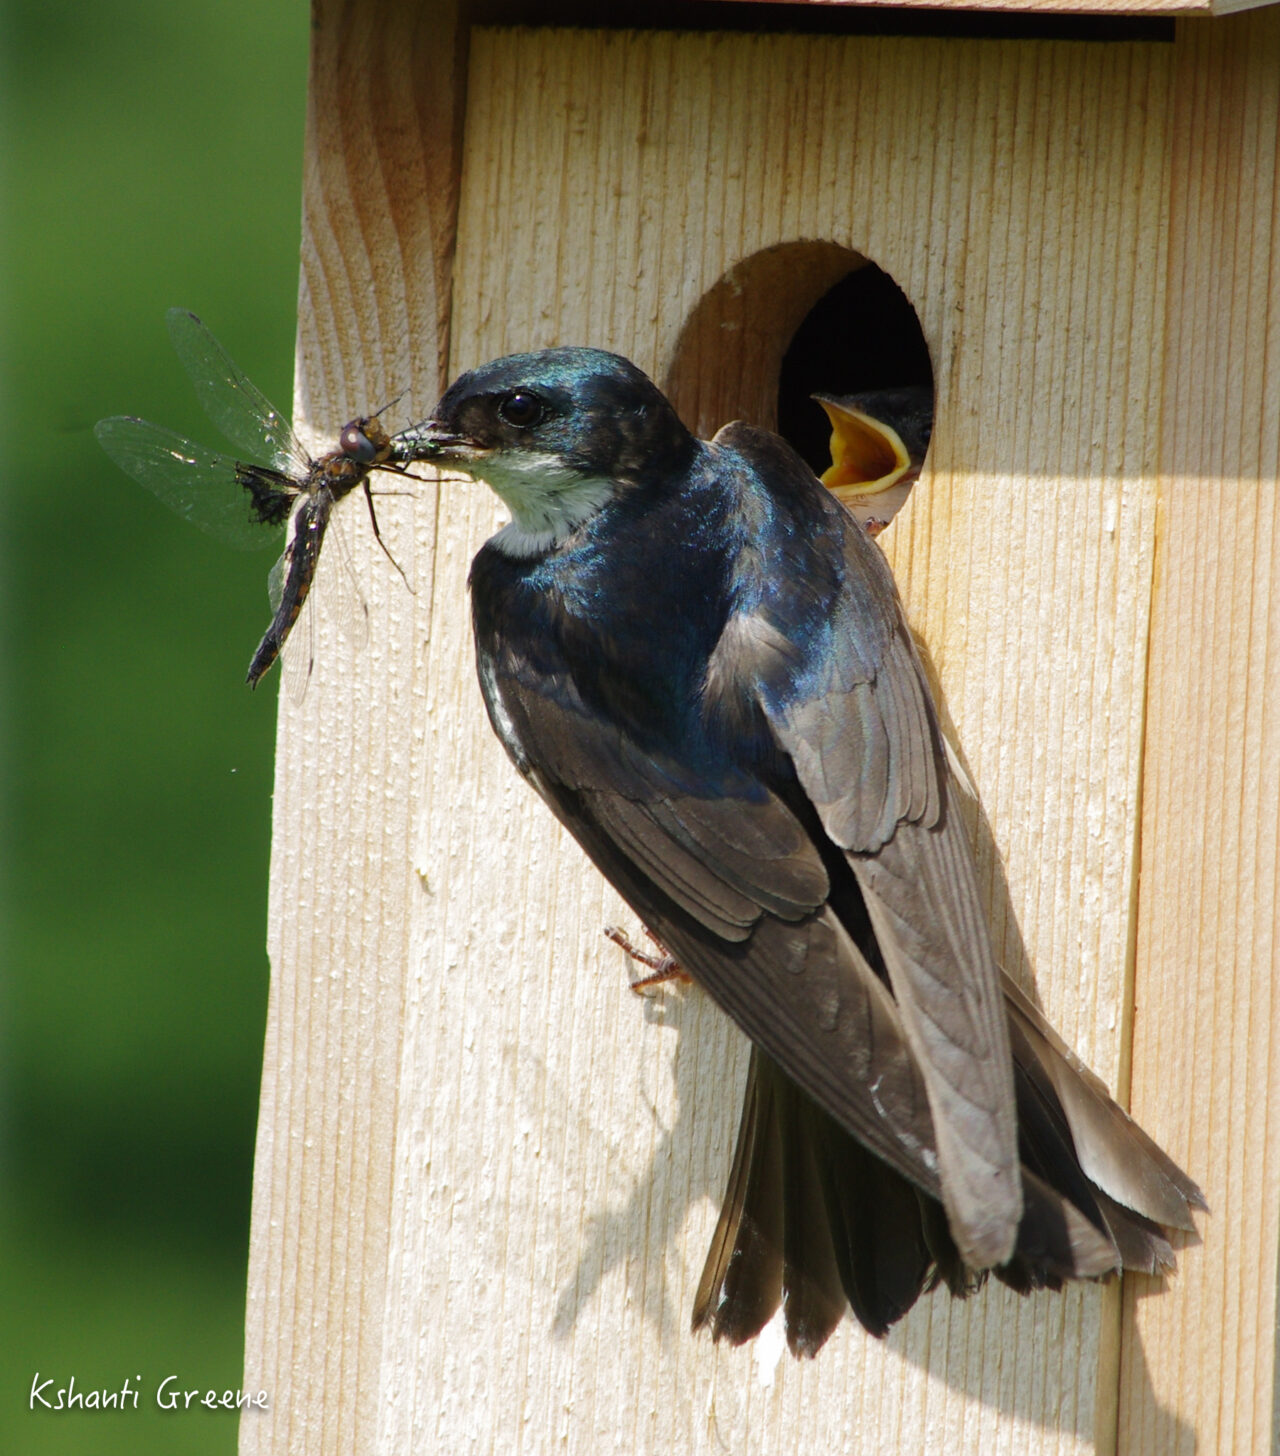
(355, 443)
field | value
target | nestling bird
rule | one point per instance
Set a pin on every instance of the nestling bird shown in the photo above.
(700, 661)
(878, 443)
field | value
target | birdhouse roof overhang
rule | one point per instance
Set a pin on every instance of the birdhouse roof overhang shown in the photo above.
(1116, 8)
(1111, 19)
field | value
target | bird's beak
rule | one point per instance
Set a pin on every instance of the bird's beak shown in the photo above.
(867, 455)
(871, 468)
(434, 442)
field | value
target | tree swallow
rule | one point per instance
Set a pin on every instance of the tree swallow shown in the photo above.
(700, 661)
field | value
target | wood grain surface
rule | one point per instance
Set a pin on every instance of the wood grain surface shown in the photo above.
(1199, 1371)
(379, 208)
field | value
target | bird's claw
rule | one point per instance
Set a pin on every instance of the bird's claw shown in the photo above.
(662, 967)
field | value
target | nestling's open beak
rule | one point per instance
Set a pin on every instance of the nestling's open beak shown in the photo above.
(872, 469)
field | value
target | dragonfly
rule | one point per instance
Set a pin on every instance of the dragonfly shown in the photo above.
(271, 481)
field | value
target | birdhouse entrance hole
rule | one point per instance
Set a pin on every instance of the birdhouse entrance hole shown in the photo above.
(804, 319)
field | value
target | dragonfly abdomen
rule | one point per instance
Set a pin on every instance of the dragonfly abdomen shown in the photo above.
(302, 556)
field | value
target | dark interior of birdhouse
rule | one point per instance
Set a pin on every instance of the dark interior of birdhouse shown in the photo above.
(804, 319)
(861, 337)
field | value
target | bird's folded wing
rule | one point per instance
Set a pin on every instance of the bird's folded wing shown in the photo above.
(732, 884)
(865, 750)
(725, 849)
(922, 898)
(852, 710)
(800, 989)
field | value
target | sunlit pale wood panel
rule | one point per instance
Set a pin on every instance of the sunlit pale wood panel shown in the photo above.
(1200, 1354)
(379, 199)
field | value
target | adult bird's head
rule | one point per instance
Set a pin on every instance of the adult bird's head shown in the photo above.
(556, 434)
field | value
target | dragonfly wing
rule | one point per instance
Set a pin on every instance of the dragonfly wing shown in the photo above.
(236, 405)
(298, 655)
(349, 605)
(200, 486)
(295, 646)
(275, 581)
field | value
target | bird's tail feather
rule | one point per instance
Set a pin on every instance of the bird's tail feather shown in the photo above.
(814, 1221)
(810, 1219)
(1115, 1154)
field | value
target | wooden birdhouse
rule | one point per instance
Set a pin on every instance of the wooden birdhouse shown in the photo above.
(486, 1172)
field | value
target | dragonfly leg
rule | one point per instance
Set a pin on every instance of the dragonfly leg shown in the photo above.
(373, 519)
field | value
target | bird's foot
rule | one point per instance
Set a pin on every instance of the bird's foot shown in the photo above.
(663, 967)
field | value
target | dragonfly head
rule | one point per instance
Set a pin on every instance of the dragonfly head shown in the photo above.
(365, 441)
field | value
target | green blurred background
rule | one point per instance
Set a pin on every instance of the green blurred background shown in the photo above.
(152, 157)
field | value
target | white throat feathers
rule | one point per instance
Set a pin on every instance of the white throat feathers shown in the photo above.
(546, 499)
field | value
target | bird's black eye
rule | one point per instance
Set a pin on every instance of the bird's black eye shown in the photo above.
(354, 442)
(522, 409)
